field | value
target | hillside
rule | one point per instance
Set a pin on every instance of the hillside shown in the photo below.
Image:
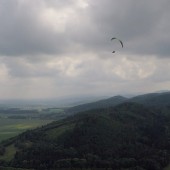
(153, 99)
(110, 102)
(128, 136)
(158, 100)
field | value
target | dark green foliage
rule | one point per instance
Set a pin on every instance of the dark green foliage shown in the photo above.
(128, 136)
(153, 99)
(113, 101)
(2, 150)
(156, 100)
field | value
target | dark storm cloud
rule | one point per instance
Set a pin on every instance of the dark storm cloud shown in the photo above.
(52, 48)
(22, 32)
(142, 25)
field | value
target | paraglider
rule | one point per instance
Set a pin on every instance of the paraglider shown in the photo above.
(118, 40)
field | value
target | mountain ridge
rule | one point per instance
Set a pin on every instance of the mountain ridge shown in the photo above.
(150, 99)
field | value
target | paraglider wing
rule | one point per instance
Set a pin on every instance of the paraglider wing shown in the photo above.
(113, 38)
(118, 40)
(121, 43)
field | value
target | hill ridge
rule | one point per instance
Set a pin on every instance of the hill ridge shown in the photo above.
(150, 99)
(129, 135)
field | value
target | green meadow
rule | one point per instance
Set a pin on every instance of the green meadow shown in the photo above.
(12, 127)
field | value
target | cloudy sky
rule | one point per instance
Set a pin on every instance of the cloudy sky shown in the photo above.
(54, 48)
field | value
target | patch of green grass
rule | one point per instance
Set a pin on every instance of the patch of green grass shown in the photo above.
(9, 153)
(54, 133)
(53, 110)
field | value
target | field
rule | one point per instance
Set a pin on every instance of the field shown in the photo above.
(12, 127)
(14, 121)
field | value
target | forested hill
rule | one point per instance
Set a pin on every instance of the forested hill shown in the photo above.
(128, 136)
(153, 99)
(157, 100)
(105, 103)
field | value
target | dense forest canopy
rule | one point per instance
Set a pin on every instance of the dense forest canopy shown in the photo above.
(129, 136)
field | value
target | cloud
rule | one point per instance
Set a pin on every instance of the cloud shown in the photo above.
(31, 27)
(161, 73)
(143, 26)
(132, 69)
(55, 48)
(53, 27)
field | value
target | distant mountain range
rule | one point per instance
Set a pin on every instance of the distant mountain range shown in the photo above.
(150, 99)
(110, 102)
(73, 101)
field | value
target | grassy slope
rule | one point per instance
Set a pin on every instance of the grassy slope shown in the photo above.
(9, 154)
(55, 132)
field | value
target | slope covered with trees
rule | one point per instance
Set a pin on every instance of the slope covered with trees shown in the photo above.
(158, 100)
(153, 99)
(128, 136)
(105, 103)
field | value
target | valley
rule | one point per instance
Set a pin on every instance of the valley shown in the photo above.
(14, 121)
(114, 133)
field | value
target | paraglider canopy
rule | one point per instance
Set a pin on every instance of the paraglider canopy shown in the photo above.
(114, 38)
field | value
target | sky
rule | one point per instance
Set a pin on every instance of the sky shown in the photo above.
(56, 49)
